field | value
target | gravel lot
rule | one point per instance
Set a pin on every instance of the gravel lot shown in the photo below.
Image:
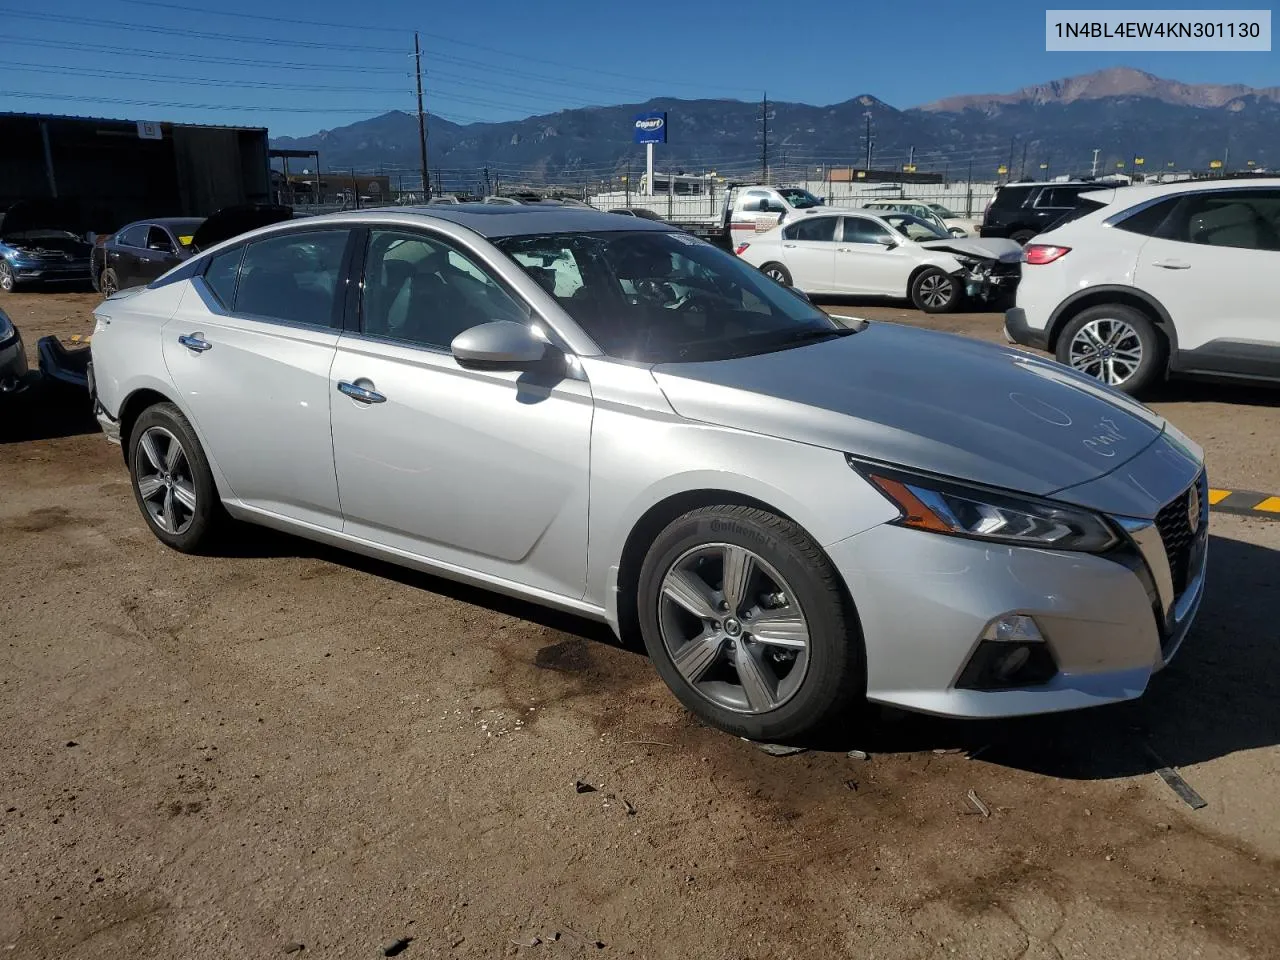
(284, 745)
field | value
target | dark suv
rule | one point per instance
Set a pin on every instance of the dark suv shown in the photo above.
(1021, 210)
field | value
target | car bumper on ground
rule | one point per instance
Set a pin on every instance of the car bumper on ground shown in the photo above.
(1016, 330)
(1103, 625)
(65, 366)
(13, 365)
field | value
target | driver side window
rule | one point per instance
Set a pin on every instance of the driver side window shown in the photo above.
(862, 230)
(158, 239)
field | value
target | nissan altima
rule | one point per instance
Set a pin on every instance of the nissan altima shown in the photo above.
(612, 417)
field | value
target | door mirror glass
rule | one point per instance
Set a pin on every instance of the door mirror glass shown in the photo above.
(498, 344)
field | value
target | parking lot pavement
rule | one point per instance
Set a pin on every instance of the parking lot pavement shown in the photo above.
(282, 745)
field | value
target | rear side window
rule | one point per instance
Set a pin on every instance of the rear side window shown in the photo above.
(133, 236)
(821, 229)
(1010, 198)
(293, 277)
(1245, 219)
(220, 275)
(1148, 220)
(1063, 198)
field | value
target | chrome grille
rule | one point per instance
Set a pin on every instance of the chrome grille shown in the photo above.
(1176, 532)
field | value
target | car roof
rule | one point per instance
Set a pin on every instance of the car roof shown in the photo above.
(162, 222)
(504, 220)
(1146, 190)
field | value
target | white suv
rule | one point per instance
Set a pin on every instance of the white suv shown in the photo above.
(1143, 282)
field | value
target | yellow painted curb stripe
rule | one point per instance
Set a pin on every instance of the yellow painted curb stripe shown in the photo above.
(1270, 505)
(1217, 496)
(1245, 503)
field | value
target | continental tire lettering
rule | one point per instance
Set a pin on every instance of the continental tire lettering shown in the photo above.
(722, 527)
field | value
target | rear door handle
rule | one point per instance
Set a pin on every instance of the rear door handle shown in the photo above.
(362, 394)
(1172, 264)
(193, 341)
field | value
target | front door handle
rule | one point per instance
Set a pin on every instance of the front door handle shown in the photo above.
(362, 394)
(1172, 264)
(193, 341)
(789, 246)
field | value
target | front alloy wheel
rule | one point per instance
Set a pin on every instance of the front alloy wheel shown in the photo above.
(6, 277)
(733, 628)
(749, 624)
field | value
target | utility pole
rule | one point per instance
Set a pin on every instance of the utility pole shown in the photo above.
(1010, 167)
(1023, 174)
(870, 142)
(1093, 171)
(422, 118)
(764, 139)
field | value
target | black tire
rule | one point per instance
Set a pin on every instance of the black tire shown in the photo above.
(777, 273)
(933, 290)
(835, 677)
(208, 517)
(1022, 237)
(1152, 365)
(8, 282)
(108, 283)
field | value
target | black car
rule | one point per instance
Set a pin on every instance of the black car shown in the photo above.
(1021, 210)
(40, 242)
(141, 251)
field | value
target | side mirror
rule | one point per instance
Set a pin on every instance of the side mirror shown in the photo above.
(886, 241)
(498, 345)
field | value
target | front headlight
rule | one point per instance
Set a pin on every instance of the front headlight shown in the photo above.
(961, 510)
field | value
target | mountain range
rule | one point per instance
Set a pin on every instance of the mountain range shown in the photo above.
(1122, 113)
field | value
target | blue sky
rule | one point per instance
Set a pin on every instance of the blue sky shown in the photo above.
(296, 68)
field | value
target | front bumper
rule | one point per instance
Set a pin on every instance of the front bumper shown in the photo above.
(924, 601)
(44, 271)
(1016, 330)
(66, 366)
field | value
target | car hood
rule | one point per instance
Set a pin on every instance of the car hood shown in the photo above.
(232, 221)
(929, 401)
(989, 248)
(49, 214)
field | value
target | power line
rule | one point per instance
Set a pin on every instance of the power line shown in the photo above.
(196, 57)
(199, 81)
(197, 34)
(124, 101)
(289, 21)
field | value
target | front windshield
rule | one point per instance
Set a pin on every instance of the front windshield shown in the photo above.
(658, 297)
(942, 211)
(800, 199)
(913, 228)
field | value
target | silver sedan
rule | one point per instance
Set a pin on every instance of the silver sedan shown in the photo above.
(612, 417)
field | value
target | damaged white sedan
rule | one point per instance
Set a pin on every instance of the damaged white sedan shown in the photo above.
(873, 253)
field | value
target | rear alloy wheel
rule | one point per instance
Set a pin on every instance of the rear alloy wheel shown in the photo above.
(746, 621)
(1115, 344)
(108, 284)
(172, 481)
(7, 281)
(935, 291)
(777, 273)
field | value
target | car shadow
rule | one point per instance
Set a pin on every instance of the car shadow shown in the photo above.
(45, 411)
(249, 541)
(1204, 391)
(1220, 695)
(994, 307)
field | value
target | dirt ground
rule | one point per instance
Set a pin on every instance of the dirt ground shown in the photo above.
(285, 748)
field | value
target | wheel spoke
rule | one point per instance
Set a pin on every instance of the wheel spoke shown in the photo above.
(149, 486)
(755, 677)
(780, 628)
(148, 445)
(1132, 354)
(170, 513)
(185, 494)
(738, 568)
(691, 592)
(173, 455)
(695, 658)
